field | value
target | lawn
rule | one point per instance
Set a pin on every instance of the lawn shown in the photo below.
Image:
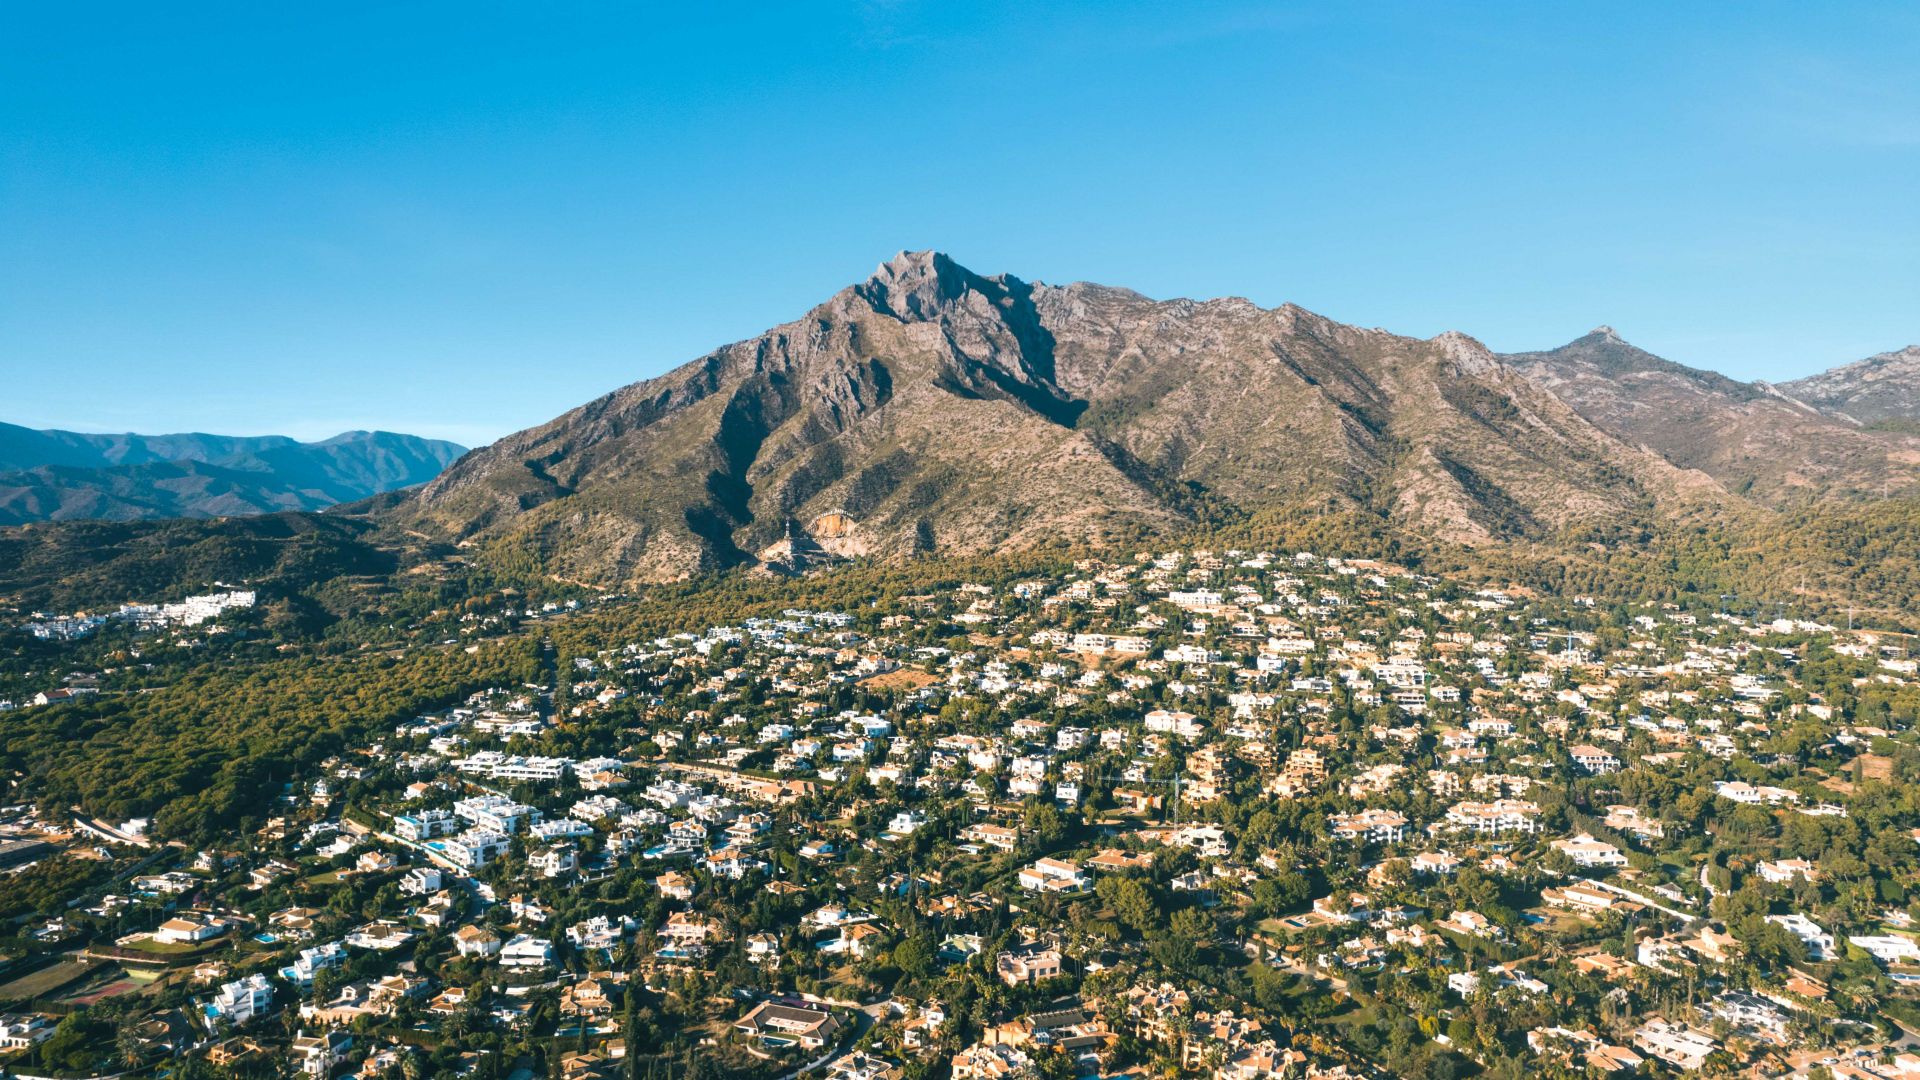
(46, 980)
(170, 948)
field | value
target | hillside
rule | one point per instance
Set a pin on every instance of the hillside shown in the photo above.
(63, 475)
(930, 408)
(1880, 390)
(1754, 439)
(64, 566)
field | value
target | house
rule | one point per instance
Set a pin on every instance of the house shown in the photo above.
(421, 881)
(1504, 977)
(381, 935)
(1056, 876)
(294, 922)
(734, 864)
(1580, 897)
(189, 929)
(473, 849)
(438, 911)
(526, 951)
(374, 862)
(242, 1001)
(556, 861)
(448, 1002)
(587, 998)
(1184, 725)
(856, 939)
(171, 883)
(790, 1021)
(1888, 948)
(1783, 871)
(1819, 943)
(318, 1055)
(1628, 819)
(1748, 794)
(1114, 859)
(311, 962)
(1562, 1044)
(1750, 1012)
(1593, 760)
(495, 813)
(1434, 863)
(1472, 924)
(990, 1062)
(1370, 826)
(863, 1066)
(1029, 963)
(18, 1031)
(1683, 1047)
(363, 998)
(473, 941)
(236, 1053)
(921, 1030)
(998, 837)
(1586, 851)
(763, 949)
(1494, 818)
(674, 885)
(1604, 965)
(425, 825)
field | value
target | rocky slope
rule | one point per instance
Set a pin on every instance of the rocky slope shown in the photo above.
(63, 475)
(1754, 439)
(1877, 390)
(932, 408)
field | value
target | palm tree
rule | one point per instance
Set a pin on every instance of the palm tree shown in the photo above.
(126, 1042)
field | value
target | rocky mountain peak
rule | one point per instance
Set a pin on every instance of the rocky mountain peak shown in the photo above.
(917, 285)
(1467, 351)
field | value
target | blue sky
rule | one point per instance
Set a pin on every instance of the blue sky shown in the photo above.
(462, 219)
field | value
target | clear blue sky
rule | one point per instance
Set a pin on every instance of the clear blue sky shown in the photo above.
(462, 219)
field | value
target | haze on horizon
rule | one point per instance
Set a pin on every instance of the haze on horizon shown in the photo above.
(456, 223)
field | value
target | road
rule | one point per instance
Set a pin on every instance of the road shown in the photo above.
(1689, 916)
(108, 832)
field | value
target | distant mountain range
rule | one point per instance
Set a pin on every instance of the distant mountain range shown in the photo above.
(67, 475)
(930, 408)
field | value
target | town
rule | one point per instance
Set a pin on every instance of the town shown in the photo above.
(1230, 814)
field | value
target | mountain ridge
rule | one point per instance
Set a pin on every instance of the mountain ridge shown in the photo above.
(57, 475)
(1882, 387)
(1755, 439)
(934, 408)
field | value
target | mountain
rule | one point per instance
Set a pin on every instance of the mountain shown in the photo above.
(23, 448)
(930, 408)
(1754, 439)
(65, 475)
(1883, 389)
